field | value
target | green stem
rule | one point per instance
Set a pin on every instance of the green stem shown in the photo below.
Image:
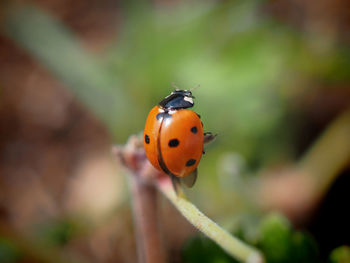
(229, 243)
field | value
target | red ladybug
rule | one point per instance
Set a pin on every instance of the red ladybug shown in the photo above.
(174, 138)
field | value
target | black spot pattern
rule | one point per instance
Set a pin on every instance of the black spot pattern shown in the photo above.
(194, 129)
(147, 139)
(173, 143)
(190, 162)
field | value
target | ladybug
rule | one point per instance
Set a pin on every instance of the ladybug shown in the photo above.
(174, 138)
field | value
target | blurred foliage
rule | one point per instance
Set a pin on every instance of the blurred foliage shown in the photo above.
(56, 233)
(274, 237)
(201, 249)
(340, 255)
(281, 243)
(9, 253)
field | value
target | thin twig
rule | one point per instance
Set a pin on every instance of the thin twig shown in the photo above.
(148, 238)
(144, 197)
(229, 243)
(133, 157)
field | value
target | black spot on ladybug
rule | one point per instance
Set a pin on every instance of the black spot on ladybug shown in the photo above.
(164, 115)
(194, 129)
(146, 139)
(199, 116)
(190, 162)
(173, 143)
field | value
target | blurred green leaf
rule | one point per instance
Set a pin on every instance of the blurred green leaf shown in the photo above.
(304, 248)
(280, 243)
(202, 250)
(9, 253)
(56, 233)
(340, 255)
(275, 240)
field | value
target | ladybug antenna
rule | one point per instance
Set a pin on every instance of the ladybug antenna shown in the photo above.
(196, 87)
(174, 86)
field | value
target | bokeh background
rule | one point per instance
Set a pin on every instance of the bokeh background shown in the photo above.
(79, 76)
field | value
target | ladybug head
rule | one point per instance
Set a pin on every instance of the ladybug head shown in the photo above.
(185, 93)
(178, 99)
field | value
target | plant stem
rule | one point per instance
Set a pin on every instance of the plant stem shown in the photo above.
(144, 179)
(229, 243)
(148, 239)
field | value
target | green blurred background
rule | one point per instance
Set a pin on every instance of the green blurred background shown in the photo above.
(76, 77)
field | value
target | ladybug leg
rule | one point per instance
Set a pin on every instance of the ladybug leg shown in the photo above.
(209, 137)
(176, 183)
(190, 179)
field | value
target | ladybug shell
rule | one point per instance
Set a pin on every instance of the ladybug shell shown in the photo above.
(174, 141)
